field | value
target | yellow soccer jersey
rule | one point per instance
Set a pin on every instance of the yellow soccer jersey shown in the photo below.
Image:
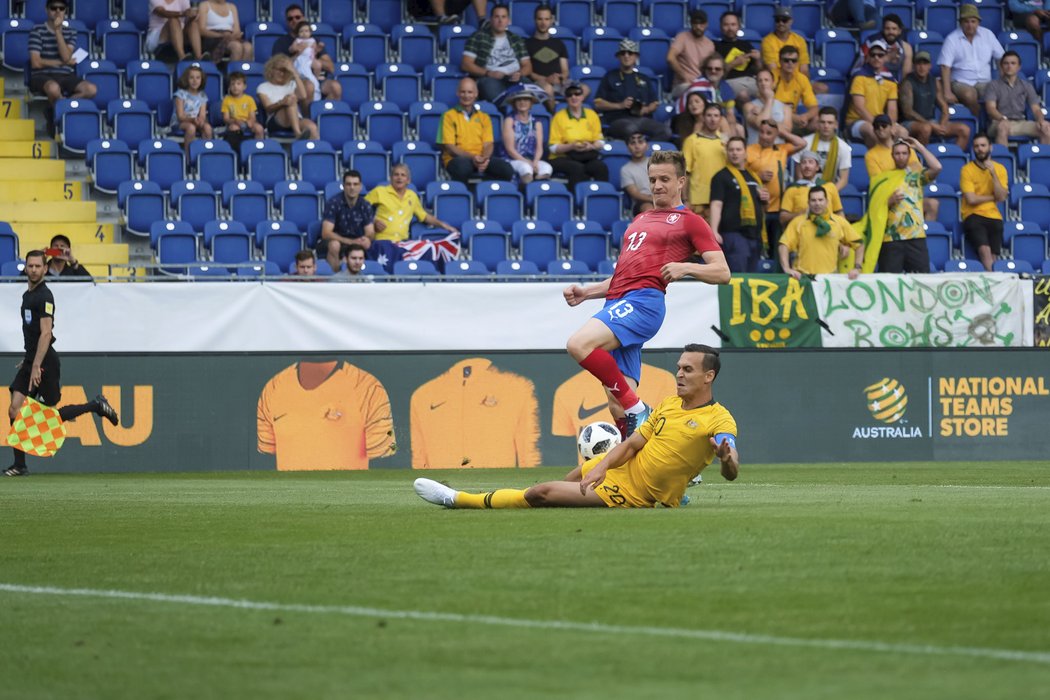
(338, 425)
(678, 448)
(475, 416)
(581, 400)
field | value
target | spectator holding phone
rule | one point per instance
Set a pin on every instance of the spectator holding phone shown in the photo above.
(61, 262)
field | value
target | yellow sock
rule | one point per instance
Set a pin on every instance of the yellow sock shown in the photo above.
(502, 498)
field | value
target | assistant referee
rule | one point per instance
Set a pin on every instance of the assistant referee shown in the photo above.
(40, 372)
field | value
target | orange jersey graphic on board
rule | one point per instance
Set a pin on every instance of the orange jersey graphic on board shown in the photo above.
(475, 415)
(339, 424)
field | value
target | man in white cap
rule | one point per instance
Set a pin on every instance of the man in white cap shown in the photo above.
(626, 99)
(872, 94)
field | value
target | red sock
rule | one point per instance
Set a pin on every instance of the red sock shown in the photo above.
(602, 365)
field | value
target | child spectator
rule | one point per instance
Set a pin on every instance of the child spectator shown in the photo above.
(306, 62)
(191, 106)
(238, 109)
(523, 138)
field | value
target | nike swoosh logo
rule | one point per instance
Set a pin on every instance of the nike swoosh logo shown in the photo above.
(586, 413)
(436, 405)
(277, 418)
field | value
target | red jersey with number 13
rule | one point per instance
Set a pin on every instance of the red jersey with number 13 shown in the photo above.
(653, 239)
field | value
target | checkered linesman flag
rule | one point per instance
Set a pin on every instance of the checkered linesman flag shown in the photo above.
(38, 430)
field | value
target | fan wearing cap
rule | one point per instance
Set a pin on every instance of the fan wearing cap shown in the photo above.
(796, 195)
(523, 137)
(51, 62)
(966, 60)
(879, 160)
(688, 51)
(870, 94)
(625, 99)
(782, 36)
(920, 97)
(494, 57)
(898, 61)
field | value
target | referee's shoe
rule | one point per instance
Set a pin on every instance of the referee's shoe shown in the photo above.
(106, 410)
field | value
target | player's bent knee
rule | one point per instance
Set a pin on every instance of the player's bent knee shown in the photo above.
(537, 496)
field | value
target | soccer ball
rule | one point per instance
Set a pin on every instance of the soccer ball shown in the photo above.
(598, 438)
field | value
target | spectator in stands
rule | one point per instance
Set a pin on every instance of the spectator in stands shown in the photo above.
(872, 94)
(737, 209)
(879, 159)
(523, 138)
(766, 107)
(1034, 15)
(396, 205)
(190, 113)
(836, 155)
(966, 60)
(984, 186)
(852, 13)
(781, 36)
(898, 61)
(348, 218)
(767, 161)
(705, 155)
(306, 63)
(688, 51)
(465, 136)
(220, 28)
(793, 88)
(634, 175)
(819, 240)
(451, 11)
(352, 271)
(742, 59)
(715, 91)
(280, 97)
(305, 263)
(330, 88)
(1006, 99)
(51, 62)
(173, 27)
(576, 140)
(549, 57)
(795, 198)
(626, 98)
(920, 97)
(61, 262)
(495, 57)
(689, 120)
(904, 240)
(238, 109)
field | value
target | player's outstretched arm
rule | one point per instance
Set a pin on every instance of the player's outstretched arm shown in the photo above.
(576, 294)
(729, 458)
(616, 457)
(715, 269)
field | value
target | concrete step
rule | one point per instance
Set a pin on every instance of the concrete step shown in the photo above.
(42, 191)
(57, 213)
(18, 169)
(12, 108)
(39, 235)
(27, 149)
(17, 129)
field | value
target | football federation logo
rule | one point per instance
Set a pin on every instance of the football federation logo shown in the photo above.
(671, 218)
(887, 400)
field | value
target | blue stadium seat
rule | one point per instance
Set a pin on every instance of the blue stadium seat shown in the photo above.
(422, 161)
(279, 241)
(1026, 240)
(173, 241)
(938, 244)
(335, 122)
(416, 45)
(808, 16)
(905, 9)
(441, 81)
(141, 203)
(607, 267)
(206, 268)
(263, 35)
(15, 37)
(264, 161)
(467, 268)
(853, 202)
(131, 121)
(8, 244)
(550, 200)
(486, 241)
(948, 213)
(163, 162)
(837, 48)
(952, 159)
(575, 15)
(959, 113)
(213, 161)
(111, 162)
(1026, 46)
(942, 16)
(229, 241)
(571, 41)
(247, 202)
(500, 201)
(120, 41)
(138, 14)
(247, 11)
(522, 14)
(516, 268)
(338, 13)
(315, 162)
(253, 74)
(622, 15)
(106, 78)
(756, 15)
(616, 232)
(424, 118)
(415, 268)
(252, 269)
(1005, 157)
(367, 43)
(957, 265)
(667, 15)
(297, 202)
(587, 241)
(356, 81)
(1036, 162)
(79, 122)
(399, 83)
(453, 38)
(858, 172)
(384, 122)
(1031, 201)
(386, 14)
(451, 202)
(600, 202)
(653, 45)
(602, 43)
(151, 82)
(567, 268)
(194, 202)
(1014, 266)
(537, 241)
(368, 158)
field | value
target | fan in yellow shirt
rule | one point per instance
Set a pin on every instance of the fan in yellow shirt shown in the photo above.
(396, 206)
(654, 466)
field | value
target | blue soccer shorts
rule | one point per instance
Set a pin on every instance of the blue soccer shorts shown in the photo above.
(634, 319)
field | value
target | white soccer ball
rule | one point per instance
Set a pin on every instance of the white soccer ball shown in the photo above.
(598, 438)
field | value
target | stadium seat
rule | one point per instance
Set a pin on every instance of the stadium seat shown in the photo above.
(1031, 201)
(948, 213)
(247, 202)
(106, 78)
(252, 269)
(79, 122)
(486, 241)
(499, 201)
(315, 162)
(16, 44)
(279, 241)
(335, 122)
(466, 268)
(422, 161)
(1026, 46)
(229, 241)
(296, 202)
(12, 268)
(415, 268)
(615, 155)
(537, 241)
(337, 13)
(600, 202)
(399, 84)
(194, 202)
(757, 15)
(1026, 240)
(8, 244)
(424, 118)
(163, 161)
(550, 201)
(356, 82)
(120, 41)
(453, 38)
(938, 244)
(451, 202)
(621, 15)
(383, 122)
(368, 158)
(516, 268)
(416, 45)
(205, 268)
(367, 43)
(952, 160)
(571, 41)
(1015, 266)
(837, 48)
(586, 241)
(858, 172)
(616, 232)
(568, 268)
(264, 161)
(263, 35)
(213, 161)
(142, 203)
(175, 244)
(808, 16)
(386, 14)
(963, 266)
(575, 15)
(942, 16)
(1005, 157)
(602, 43)
(959, 113)
(151, 82)
(131, 120)
(853, 202)
(905, 9)
(111, 162)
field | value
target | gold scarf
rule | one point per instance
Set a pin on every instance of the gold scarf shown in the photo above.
(748, 213)
(831, 171)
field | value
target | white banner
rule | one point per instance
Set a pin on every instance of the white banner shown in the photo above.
(941, 310)
(287, 316)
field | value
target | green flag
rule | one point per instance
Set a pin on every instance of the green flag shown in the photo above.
(768, 311)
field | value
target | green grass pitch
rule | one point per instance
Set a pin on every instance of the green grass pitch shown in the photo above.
(899, 581)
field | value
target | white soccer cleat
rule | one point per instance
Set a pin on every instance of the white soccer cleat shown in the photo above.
(433, 492)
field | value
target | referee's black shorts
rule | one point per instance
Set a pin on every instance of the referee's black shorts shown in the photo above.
(49, 391)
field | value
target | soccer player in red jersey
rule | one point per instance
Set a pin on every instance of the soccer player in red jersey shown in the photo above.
(654, 252)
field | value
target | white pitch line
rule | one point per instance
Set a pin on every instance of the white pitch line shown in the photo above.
(1037, 657)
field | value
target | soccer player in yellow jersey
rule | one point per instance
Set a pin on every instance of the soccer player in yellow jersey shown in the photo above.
(653, 466)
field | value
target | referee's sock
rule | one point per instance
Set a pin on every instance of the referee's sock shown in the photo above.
(20, 457)
(69, 413)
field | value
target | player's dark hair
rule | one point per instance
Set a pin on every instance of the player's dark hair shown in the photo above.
(60, 238)
(36, 254)
(305, 254)
(711, 359)
(674, 158)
